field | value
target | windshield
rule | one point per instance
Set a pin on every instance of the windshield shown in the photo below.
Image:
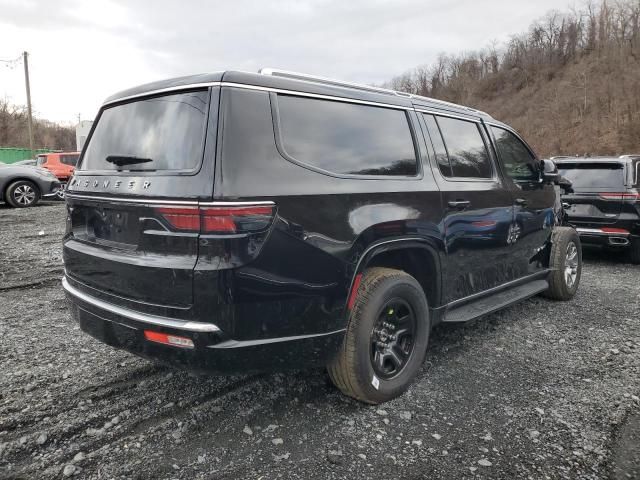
(160, 133)
(593, 175)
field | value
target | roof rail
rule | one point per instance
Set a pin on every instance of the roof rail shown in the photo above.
(559, 157)
(313, 78)
(630, 156)
(358, 86)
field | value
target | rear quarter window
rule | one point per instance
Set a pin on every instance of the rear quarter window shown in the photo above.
(346, 138)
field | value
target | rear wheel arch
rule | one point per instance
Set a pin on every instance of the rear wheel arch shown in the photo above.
(416, 257)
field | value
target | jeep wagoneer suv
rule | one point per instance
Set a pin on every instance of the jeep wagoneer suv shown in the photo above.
(234, 222)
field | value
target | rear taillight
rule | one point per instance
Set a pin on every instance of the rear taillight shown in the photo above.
(619, 196)
(219, 219)
(620, 231)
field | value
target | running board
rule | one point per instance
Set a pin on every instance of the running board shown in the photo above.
(495, 302)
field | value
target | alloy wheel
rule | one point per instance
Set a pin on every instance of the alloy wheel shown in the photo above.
(24, 195)
(571, 265)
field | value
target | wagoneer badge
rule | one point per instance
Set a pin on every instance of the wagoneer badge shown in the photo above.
(131, 184)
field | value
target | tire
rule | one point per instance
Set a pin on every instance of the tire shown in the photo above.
(22, 194)
(384, 297)
(634, 251)
(566, 264)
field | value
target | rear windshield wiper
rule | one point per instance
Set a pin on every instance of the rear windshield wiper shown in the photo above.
(121, 160)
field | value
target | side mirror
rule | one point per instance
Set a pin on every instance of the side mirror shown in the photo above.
(549, 171)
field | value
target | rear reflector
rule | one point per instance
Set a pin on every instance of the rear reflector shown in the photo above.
(619, 196)
(166, 339)
(354, 291)
(621, 231)
(223, 219)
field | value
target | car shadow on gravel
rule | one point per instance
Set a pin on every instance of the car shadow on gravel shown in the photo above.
(604, 255)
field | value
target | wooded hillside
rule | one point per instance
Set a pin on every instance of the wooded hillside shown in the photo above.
(570, 85)
(14, 131)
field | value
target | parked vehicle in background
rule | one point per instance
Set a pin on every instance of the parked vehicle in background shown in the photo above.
(61, 164)
(604, 204)
(327, 223)
(27, 163)
(23, 186)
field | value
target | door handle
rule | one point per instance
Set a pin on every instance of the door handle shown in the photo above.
(459, 204)
(521, 201)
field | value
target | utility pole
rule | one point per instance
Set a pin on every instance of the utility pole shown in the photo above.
(26, 81)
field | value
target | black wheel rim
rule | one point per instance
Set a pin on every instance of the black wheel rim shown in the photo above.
(392, 338)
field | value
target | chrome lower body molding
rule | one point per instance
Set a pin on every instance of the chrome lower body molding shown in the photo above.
(146, 319)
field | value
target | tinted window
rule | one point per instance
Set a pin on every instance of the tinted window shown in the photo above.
(347, 138)
(598, 175)
(69, 159)
(161, 133)
(518, 162)
(468, 154)
(438, 145)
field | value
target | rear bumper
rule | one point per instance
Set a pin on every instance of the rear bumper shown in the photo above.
(604, 236)
(213, 350)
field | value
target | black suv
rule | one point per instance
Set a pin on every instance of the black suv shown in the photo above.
(604, 200)
(234, 222)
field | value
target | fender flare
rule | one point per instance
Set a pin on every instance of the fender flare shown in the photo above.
(391, 245)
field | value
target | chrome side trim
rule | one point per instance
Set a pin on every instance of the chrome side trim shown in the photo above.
(316, 95)
(443, 114)
(497, 288)
(152, 320)
(266, 341)
(175, 88)
(131, 200)
(149, 201)
(597, 231)
(310, 79)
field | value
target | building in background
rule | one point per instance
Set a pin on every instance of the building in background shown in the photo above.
(82, 132)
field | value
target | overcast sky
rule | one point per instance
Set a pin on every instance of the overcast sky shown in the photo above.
(83, 51)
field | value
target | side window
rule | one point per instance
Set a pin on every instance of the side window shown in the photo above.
(438, 145)
(519, 164)
(69, 159)
(346, 138)
(466, 149)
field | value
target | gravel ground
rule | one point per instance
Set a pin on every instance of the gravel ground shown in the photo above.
(540, 390)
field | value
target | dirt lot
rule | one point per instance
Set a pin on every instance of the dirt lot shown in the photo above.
(541, 390)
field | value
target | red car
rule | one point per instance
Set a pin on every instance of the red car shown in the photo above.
(61, 164)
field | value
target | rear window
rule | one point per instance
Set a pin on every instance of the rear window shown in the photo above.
(346, 138)
(69, 159)
(593, 175)
(159, 133)
(41, 160)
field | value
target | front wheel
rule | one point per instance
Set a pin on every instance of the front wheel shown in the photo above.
(386, 338)
(22, 193)
(566, 264)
